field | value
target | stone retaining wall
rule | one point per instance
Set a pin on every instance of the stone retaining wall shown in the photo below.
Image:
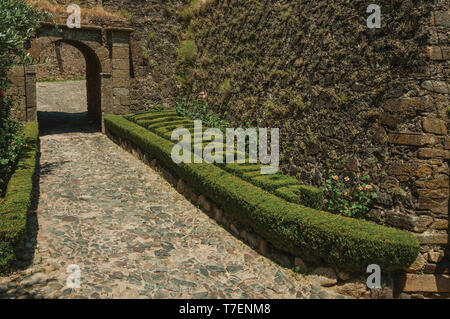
(420, 161)
(347, 99)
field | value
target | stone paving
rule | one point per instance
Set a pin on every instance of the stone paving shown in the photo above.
(130, 232)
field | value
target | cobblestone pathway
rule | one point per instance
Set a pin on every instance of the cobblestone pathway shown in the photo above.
(130, 232)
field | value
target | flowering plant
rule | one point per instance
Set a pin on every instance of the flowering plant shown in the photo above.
(352, 198)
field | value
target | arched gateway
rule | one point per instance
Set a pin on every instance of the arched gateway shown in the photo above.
(108, 68)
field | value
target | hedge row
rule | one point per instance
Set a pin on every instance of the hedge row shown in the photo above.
(315, 235)
(288, 187)
(14, 209)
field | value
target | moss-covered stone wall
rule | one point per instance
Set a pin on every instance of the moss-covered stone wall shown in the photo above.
(347, 99)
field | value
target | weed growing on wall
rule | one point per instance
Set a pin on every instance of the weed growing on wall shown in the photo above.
(198, 110)
(349, 197)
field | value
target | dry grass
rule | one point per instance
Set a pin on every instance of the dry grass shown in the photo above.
(194, 8)
(88, 15)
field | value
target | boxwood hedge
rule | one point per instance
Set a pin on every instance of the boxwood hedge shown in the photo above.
(164, 122)
(14, 209)
(315, 235)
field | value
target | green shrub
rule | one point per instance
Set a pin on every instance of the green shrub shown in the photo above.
(189, 11)
(150, 35)
(156, 116)
(156, 122)
(303, 194)
(11, 142)
(172, 125)
(225, 87)
(147, 59)
(163, 126)
(127, 15)
(149, 115)
(272, 182)
(350, 244)
(18, 21)
(14, 209)
(241, 169)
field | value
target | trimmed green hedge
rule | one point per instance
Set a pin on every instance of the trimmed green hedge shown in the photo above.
(304, 194)
(315, 235)
(14, 209)
(164, 122)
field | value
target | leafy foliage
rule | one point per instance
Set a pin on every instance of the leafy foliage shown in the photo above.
(198, 110)
(11, 142)
(352, 198)
(18, 20)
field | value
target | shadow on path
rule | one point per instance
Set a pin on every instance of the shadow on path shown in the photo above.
(61, 122)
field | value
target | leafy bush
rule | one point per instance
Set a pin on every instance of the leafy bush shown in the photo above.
(11, 142)
(18, 20)
(147, 59)
(225, 86)
(348, 197)
(127, 15)
(302, 194)
(315, 235)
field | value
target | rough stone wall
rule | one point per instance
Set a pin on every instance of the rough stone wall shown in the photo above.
(120, 54)
(65, 62)
(347, 99)
(17, 90)
(80, 2)
(158, 32)
(423, 153)
(154, 42)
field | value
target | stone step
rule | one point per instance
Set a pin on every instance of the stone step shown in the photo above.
(425, 283)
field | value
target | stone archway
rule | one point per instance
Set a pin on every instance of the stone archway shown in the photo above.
(107, 55)
(93, 75)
